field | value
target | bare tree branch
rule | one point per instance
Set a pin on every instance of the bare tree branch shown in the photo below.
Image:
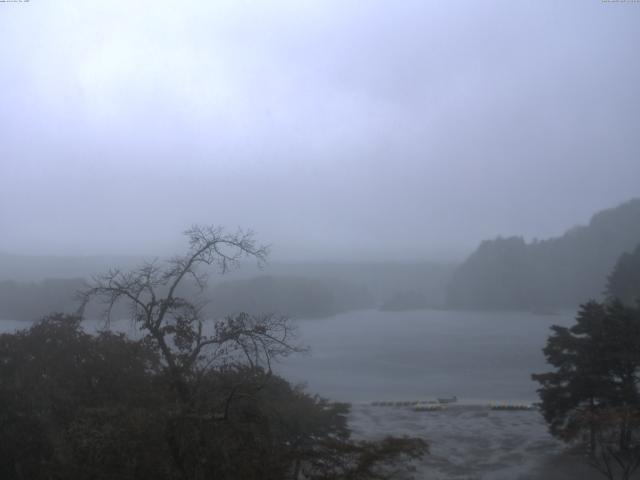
(175, 324)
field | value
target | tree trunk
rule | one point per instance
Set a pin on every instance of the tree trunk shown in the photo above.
(592, 428)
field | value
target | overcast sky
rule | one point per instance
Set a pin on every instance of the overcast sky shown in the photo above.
(335, 129)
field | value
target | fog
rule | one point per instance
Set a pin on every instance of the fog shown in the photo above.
(427, 214)
(337, 130)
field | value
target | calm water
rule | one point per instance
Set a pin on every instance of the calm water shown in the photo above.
(372, 355)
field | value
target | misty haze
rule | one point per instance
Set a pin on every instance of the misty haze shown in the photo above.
(319, 240)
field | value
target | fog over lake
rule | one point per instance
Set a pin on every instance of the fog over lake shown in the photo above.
(369, 355)
(374, 355)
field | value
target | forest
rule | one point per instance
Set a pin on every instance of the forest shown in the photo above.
(561, 272)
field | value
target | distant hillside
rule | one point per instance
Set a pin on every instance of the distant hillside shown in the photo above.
(624, 281)
(398, 285)
(408, 300)
(293, 296)
(32, 286)
(34, 300)
(508, 273)
(35, 268)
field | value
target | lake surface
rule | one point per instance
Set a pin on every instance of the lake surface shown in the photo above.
(369, 355)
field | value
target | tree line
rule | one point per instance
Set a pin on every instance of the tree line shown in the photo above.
(510, 273)
(185, 401)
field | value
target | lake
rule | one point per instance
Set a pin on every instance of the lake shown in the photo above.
(368, 355)
(371, 355)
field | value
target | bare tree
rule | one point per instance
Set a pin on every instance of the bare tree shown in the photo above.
(175, 325)
(221, 407)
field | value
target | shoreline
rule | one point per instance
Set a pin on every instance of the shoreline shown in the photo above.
(470, 441)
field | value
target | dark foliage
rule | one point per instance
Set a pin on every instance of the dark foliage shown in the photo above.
(624, 281)
(592, 397)
(77, 406)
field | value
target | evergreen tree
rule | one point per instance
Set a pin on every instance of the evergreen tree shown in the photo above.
(592, 395)
(580, 383)
(624, 281)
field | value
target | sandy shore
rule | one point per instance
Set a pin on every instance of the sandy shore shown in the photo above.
(473, 442)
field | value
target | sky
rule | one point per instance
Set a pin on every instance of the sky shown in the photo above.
(336, 130)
